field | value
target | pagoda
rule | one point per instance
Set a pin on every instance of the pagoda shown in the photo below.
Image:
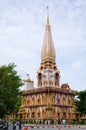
(49, 100)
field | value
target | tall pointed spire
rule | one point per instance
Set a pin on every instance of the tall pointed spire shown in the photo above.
(48, 51)
(48, 74)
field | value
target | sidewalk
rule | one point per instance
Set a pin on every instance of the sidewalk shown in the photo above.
(53, 126)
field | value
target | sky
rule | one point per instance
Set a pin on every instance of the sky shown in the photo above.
(22, 28)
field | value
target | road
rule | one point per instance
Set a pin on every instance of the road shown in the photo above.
(57, 128)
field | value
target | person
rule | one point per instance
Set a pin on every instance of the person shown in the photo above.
(63, 121)
(14, 125)
(36, 121)
(17, 126)
(49, 122)
(56, 122)
(46, 122)
(10, 127)
(20, 124)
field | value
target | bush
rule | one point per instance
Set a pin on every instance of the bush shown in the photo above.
(59, 121)
(52, 121)
(82, 122)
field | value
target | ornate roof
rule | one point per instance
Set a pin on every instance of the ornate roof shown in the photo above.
(50, 89)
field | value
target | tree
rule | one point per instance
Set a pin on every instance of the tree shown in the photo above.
(10, 84)
(80, 102)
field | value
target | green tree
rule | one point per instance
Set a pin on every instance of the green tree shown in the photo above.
(10, 84)
(80, 102)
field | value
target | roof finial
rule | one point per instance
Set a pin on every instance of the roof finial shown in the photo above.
(28, 77)
(47, 15)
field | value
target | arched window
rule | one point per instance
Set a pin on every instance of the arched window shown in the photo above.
(39, 76)
(56, 75)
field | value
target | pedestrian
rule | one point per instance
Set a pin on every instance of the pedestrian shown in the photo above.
(17, 126)
(45, 122)
(20, 125)
(10, 127)
(36, 121)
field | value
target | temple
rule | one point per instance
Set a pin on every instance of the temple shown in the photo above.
(49, 100)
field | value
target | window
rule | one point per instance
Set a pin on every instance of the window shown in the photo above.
(33, 114)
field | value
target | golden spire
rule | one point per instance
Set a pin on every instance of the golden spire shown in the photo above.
(48, 51)
(48, 74)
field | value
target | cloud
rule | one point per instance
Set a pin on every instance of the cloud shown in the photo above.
(77, 65)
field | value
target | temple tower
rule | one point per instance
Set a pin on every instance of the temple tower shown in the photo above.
(48, 74)
(49, 100)
(29, 84)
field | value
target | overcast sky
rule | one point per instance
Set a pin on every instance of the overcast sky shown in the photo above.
(22, 27)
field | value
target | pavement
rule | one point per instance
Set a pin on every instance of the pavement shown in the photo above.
(53, 127)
